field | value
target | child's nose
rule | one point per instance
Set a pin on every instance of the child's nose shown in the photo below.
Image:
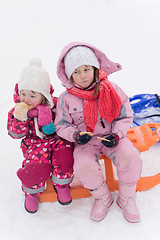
(27, 101)
(82, 75)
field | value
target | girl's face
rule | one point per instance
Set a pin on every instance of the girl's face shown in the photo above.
(31, 97)
(83, 76)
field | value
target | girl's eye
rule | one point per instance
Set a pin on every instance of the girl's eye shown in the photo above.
(32, 96)
(87, 69)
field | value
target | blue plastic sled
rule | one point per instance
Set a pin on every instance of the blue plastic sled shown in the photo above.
(146, 108)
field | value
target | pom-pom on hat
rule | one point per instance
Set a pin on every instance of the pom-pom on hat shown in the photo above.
(35, 78)
(78, 56)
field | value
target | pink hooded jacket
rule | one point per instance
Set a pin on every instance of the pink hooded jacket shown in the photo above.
(26, 129)
(69, 113)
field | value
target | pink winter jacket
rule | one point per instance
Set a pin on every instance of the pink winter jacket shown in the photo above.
(25, 129)
(69, 113)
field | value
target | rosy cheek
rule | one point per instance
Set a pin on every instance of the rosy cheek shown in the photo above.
(21, 99)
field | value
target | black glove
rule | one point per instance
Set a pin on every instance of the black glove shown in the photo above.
(82, 139)
(113, 140)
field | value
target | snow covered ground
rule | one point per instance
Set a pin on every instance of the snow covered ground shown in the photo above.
(128, 32)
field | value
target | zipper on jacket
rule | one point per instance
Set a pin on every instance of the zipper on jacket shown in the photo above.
(102, 123)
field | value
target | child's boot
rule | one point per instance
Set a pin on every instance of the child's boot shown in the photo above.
(127, 201)
(31, 203)
(63, 194)
(103, 200)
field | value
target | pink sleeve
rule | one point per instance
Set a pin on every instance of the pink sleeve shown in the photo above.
(63, 120)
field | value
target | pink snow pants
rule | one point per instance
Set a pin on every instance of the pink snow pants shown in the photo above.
(56, 152)
(125, 157)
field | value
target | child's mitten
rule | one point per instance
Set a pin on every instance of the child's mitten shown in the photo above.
(44, 116)
(49, 128)
(113, 140)
(82, 139)
(32, 113)
(20, 111)
(34, 173)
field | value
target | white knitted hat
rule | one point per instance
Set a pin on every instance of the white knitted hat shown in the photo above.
(78, 56)
(35, 78)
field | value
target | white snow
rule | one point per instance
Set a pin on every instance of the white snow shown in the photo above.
(128, 32)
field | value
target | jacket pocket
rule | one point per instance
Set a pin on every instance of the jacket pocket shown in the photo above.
(76, 113)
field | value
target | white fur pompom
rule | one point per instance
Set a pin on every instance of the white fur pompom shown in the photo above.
(35, 62)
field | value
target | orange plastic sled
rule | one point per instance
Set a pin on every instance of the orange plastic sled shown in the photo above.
(142, 137)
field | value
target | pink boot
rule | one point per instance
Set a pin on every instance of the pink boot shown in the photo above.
(127, 201)
(63, 194)
(103, 200)
(31, 203)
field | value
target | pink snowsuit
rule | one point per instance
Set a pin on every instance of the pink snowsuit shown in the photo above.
(69, 119)
(51, 155)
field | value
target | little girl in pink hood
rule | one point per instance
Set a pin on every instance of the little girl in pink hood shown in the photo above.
(95, 114)
(45, 153)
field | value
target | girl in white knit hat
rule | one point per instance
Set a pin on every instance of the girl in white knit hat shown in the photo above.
(45, 154)
(95, 114)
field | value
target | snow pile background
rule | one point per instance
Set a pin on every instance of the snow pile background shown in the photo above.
(128, 32)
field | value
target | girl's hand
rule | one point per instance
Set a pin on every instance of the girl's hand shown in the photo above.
(82, 137)
(111, 141)
(20, 111)
(32, 113)
(43, 113)
(44, 116)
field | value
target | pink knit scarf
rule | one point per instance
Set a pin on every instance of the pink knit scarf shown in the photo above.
(109, 102)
